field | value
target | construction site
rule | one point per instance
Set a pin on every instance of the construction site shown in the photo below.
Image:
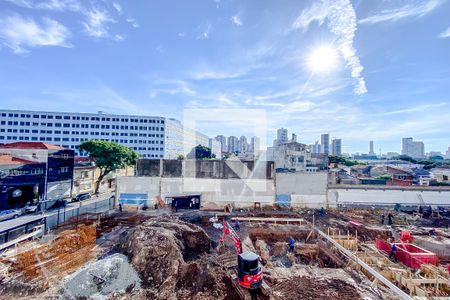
(165, 253)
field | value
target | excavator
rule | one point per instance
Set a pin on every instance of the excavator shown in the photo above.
(249, 271)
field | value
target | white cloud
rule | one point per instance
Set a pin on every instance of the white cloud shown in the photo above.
(341, 20)
(203, 31)
(119, 37)
(133, 22)
(419, 108)
(181, 34)
(236, 20)
(117, 7)
(54, 5)
(445, 33)
(96, 24)
(416, 8)
(171, 87)
(201, 75)
(19, 33)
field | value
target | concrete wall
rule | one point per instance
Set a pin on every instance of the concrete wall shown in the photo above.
(361, 196)
(217, 169)
(242, 193)
(303, 189)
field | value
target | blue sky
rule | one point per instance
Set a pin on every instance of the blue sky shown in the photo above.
(390, 77)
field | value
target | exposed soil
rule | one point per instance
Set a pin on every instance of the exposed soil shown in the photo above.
(314, 288)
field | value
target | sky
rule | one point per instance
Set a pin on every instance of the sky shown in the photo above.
(359, 70)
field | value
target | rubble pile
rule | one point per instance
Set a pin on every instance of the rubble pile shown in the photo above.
(112, 274)
(172, 259)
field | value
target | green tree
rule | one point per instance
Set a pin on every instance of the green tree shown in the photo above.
(201, 152)
(180, 157)
(108, 156)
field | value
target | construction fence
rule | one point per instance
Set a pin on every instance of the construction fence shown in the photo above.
(63, 214)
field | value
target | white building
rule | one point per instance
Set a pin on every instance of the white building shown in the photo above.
(243, 145)
(223, 141)
(447, 153)
(336, 147)
(292, 156)
(316, 147)
(216, 148)
(414, 149)
(150, 136)
(282, 137)
(255, 145)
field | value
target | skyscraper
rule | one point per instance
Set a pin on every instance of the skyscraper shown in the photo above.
(371, 152)
(336, 147)
(325, 142)
(243, 145)
(414, 149)
(233, 144)
(255, 145)
(282, 137)
(223, 140)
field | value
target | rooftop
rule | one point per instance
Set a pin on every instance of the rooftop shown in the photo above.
(30, 145)
(6, 159)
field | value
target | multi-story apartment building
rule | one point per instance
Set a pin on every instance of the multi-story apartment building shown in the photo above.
(233, 144)
(415, 149)
(150, 136)
(336, 147)
(325, 142)
(223, 141)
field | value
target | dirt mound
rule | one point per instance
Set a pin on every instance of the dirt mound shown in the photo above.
(315, 288)
(172, 259)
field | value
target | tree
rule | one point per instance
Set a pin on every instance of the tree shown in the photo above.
(180, 157)
(201, 152)
(108, 156)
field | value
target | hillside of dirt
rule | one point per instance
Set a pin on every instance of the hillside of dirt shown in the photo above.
(173, 261)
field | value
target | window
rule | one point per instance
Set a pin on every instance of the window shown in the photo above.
(58, 117)
(66, 117)
(64, 169)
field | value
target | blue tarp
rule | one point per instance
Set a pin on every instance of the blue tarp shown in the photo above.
(135, 199)
(283, 200)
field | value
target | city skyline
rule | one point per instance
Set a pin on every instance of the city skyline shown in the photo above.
(121, 57)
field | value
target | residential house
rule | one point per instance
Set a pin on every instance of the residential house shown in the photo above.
(32, 171)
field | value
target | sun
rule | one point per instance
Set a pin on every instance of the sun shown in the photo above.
(322, 59)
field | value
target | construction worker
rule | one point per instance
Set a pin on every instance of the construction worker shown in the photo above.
(237, 226)
(390, 219)
(175, 204)
(291, 243)
(322, 211)
(120, 207)
(382, 219)
(393, 251)
(432, 232)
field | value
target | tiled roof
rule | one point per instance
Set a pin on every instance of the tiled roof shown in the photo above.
(6, 159)
(30, 145)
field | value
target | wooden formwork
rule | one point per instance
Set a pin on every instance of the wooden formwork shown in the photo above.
(428, 281)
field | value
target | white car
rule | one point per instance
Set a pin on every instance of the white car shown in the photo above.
(10, 214)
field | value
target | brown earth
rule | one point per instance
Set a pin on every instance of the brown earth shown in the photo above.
(172, 258)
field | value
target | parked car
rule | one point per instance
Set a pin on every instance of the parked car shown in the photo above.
(29, 209)
(10, 214)
(80, 197)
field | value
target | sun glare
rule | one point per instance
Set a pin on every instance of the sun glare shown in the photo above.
(322, 59)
